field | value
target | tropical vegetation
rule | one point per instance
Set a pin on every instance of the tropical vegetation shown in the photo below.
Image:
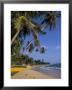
(24, 24)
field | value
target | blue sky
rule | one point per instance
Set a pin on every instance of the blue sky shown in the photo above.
(52, 41)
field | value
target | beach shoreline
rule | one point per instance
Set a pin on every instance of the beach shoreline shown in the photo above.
(34, 73)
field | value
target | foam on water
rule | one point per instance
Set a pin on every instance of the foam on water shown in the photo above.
(49, 68)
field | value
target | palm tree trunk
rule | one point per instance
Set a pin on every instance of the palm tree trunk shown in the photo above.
(15, 36)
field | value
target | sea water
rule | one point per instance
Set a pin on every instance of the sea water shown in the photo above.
(53, 70)
(54, 66)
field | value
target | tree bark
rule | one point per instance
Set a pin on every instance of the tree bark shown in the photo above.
(15, 36)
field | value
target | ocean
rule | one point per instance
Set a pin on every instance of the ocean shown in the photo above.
(53, 66)
(51, 70)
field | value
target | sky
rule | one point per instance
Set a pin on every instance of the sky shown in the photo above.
(52, 41)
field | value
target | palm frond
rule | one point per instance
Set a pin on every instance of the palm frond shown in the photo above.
(50, 20)
(42, 50)
(31, 47)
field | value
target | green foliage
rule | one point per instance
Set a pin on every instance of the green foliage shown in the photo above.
(50, 19)
(25, 59)
(31, 47)
(15, 48)
(22, 25)
(42, 50)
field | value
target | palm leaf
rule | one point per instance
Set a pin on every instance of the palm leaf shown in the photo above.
(49, 20)
(31, 47)
(42, 50)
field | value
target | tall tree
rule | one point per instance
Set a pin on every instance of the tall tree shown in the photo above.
(22, 24)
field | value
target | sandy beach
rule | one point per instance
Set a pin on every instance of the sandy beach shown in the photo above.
(34, 73)
(31, 74)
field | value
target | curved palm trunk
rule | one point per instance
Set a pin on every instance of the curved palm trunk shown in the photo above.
(15, 36)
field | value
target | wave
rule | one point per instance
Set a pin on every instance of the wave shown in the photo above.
(52, 67)
(56, 65)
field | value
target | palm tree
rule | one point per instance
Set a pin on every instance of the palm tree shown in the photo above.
(26, 26)
(23, 25)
